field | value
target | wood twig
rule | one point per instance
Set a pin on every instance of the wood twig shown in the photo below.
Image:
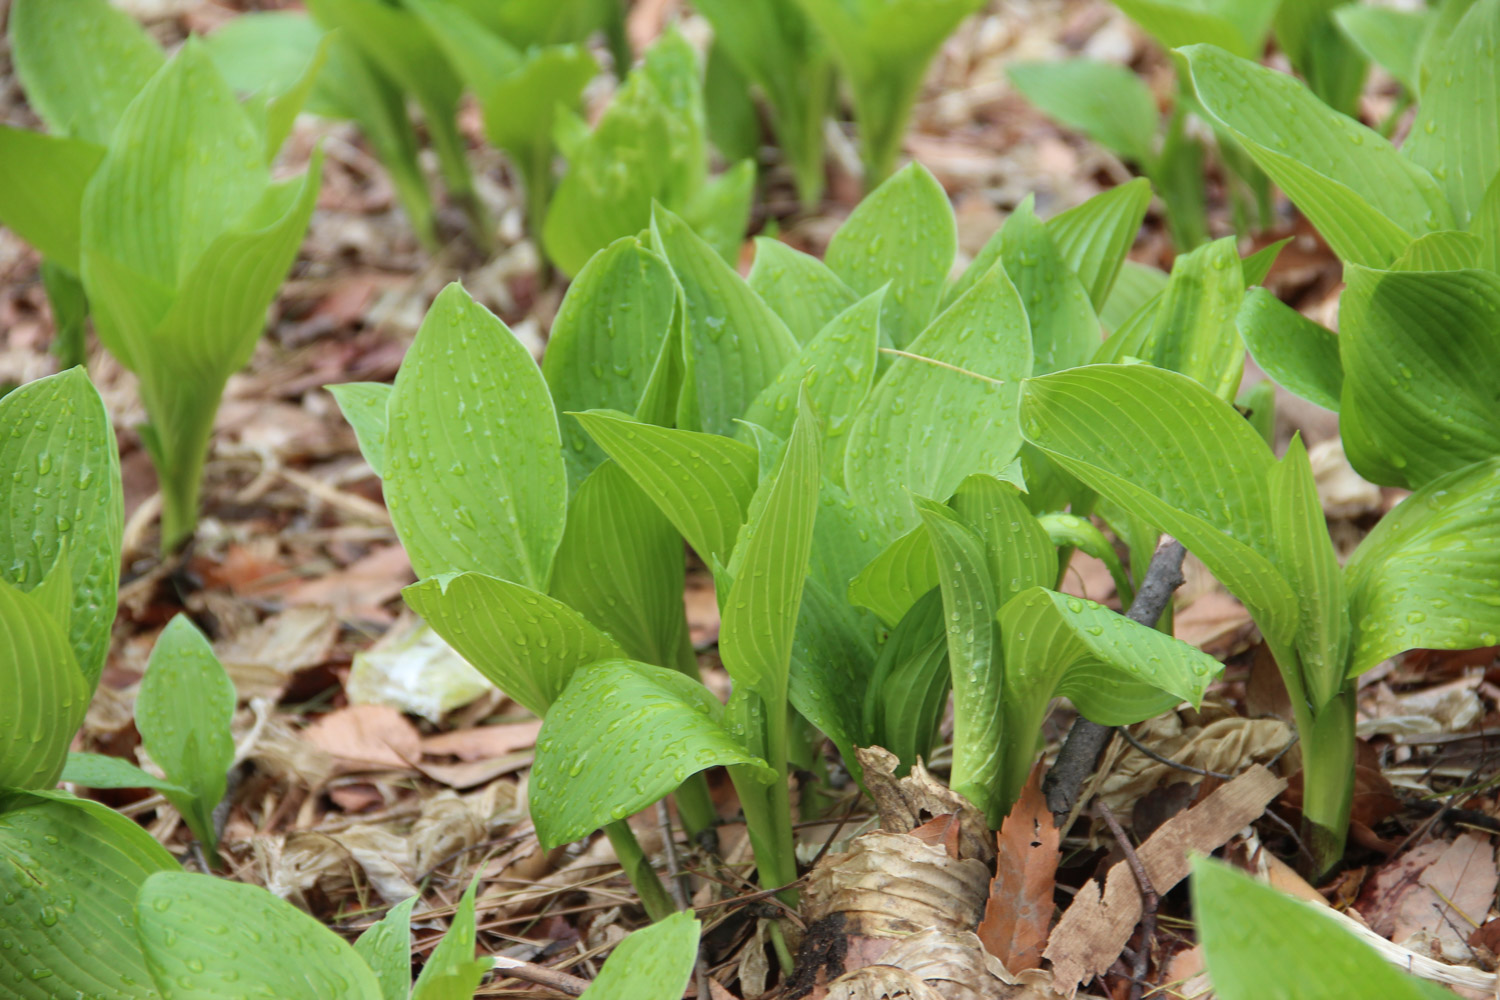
(1149, 902)
(528, 972)
(1086, 740)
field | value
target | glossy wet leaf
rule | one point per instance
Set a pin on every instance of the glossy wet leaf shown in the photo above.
(908, 691)
(1071, 531)
(1448, 250)
(798, 287)
(451, 971)
(63, 496)
(386, 948)
(833, 652)
(47, 692)
(70, 870)
(1300, 355)
(702, 482)
(653, 963)
(621, 736)
(1366, 199)
(901, 234)
(474, 468)
(96, 770)
(208, 938)
(1389, 37)
(1137, 285)
(1095, 236)
(1104, 100)
(527, 643)
(1419, 368)
(1064, 329)
(893, 581)
(364, 405)
(1018, 551)
(1332, 65)
(925, 427)
(609, 338)
(1421, 579)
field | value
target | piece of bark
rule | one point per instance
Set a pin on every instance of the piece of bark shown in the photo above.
(904, 804)
(1019, 910)
(1097, 926)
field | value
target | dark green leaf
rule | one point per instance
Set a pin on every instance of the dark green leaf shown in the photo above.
(908, 691)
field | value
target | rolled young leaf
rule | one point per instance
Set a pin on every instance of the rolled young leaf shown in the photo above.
(895, 579)
(908, 690)
(451, 971)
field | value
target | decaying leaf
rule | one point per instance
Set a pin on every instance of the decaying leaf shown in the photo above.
(1431, 899)
(1198, 740)
(367, 736)
(906, 803)
(1018, 913)
(262, 660)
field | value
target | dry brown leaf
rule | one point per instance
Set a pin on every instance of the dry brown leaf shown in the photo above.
(941, 831)
(1019, 910)
(371, 736)
(483, 742)
(906, 803)
(1224, 745)
(1216, 622)
(1098, 924)
(261, 660)
(1431, 899)
(360, 590)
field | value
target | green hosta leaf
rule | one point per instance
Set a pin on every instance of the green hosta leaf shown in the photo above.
(1095, 236)
(609, 337)
(770, 565)
(269, 52)
(908, 691)
(534, 22)
(1302, 356)
(183, 711)
(1167, 450)
(95, 770)
(1392, 38)
(1333, 67)
(720, 209)
(1422, 578)
(1486, 227)
(47, 692)
(620, 565)
(969, 606)
(1240, 922)
(386, 948)
(1079, 533)
(1137, 285)
(1115, 671)
(1304, 554)
(527, 643)
(42, 178)
(63, 499)
(70, 869)
(1018, 551)
(1256, 266)
(207, 938)
(1240, 26)
(621, 736)
(1419, 365)
(365, 405)
(1105, 101)
(282, 107)
(1192, 327)
(1366, 199)
(1258, 404)
(893, 581)
(451, 972)
(798, 287)
(729, 108)
(902, 234)
(474, 472)
(1462, 97)
(734, 344)
(81, 62)
(845, 539)
(702, 482)
(833, 652)
(925, 427)
(838, 367)
(653, 963)
(1064, 329)
(1449, 250)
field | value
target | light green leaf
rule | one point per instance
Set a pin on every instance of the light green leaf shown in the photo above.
(621, 736)
(1419, 368)
(1462, 99)
(1167, 450)
(1105, 101)
(838, 366)
(1137, 285)
(893, 581)
(70, 869)
(608, 339)
(902, 234)
(1392, 38)
(702, 482)
(96, 770)
(364, 405)
(1448, 250)
(653, 963)
(1366, 199)
(1240, 922)
(1422, 578)
(719, 210)
(1333, 67)
(1302, 356)
(1115, 671)
(1064, 329)
(832, 655)
(1095, 236)
(42, 179)
(47, 692)
(733, 343)
(1018, 551)
(1240, 26)
(1258, 403)
(926, 426)
(908, 691)
(63, 493)
(474, 469)
(183, 711)
(969, 606)
(81, 62)
(386, 948)
(769, 566)
(1304, 554)
(1486, 227)
(798, 287)
(1079, 533)
(193, 930)
(451, 972)
(620, 564)
(269, 52)
(527, 643)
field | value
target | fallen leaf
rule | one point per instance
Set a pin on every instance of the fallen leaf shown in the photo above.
(414, 670)
(906, 803)
(481, 742)
(360, 590)
(373, 736)
(261, 660)
(940, 831)
(1216, 622)
(1019, 911)
(1431, 898)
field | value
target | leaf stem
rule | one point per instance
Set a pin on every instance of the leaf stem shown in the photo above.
(648, 885)
(1328, 746)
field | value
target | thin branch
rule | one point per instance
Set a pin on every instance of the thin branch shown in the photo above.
(941, 364)
(1146, 751)
(527, 972)
(1149, 902)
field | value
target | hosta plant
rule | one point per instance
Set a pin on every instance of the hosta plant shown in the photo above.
(1168, 451)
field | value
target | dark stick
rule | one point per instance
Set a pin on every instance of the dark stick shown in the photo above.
(1086, 740)
(1149, 902)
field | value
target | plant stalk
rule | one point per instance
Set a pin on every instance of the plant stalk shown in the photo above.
(648, 885)
(1328, 747)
